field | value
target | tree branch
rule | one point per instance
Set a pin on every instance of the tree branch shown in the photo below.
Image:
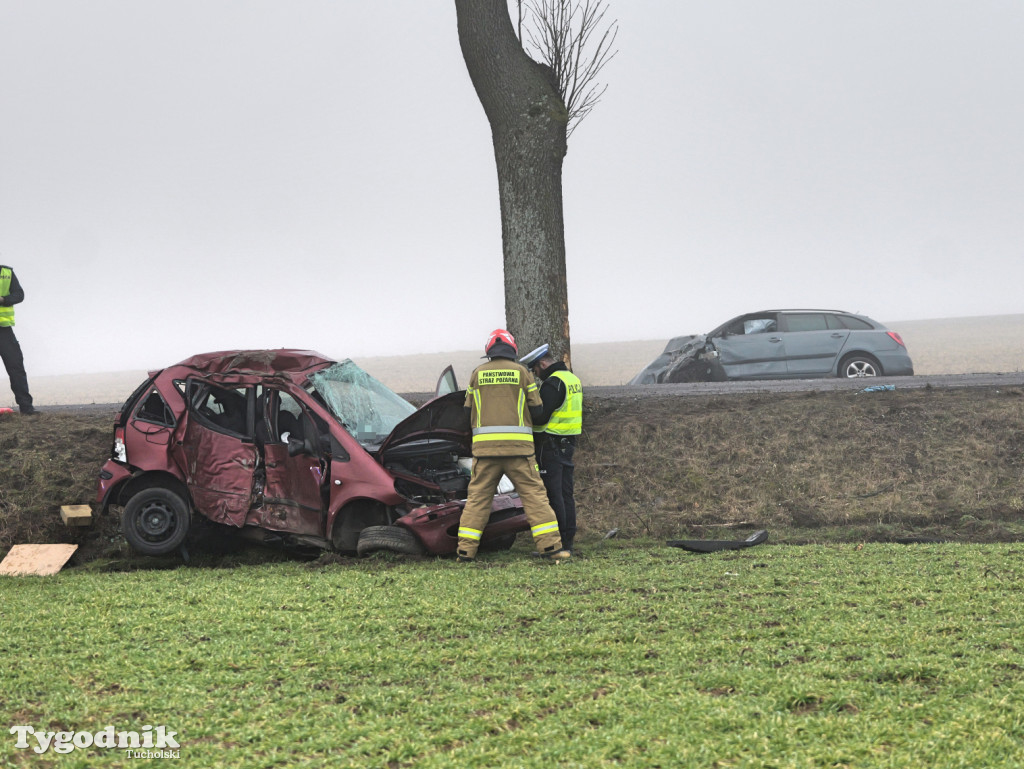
(561, 34)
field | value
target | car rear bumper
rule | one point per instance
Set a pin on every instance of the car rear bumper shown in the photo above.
(895, 363)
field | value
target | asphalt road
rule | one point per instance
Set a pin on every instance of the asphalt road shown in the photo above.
(807, 385)
(1011, 379)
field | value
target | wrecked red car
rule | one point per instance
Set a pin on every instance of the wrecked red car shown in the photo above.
(290, 446)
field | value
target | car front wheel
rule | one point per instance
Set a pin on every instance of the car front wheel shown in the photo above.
(857, 366)
(155, 521)
(393, 538)
(499, 544)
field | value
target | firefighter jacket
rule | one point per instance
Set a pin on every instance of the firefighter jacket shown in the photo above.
(10, 294)
(499, 397)
(567, 416)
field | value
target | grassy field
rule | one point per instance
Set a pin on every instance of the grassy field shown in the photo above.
(632, 655)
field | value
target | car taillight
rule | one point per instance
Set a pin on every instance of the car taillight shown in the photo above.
(119, 452)
(896, 338)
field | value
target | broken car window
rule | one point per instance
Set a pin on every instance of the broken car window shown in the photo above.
(367, 408)
(223, 408)
(759, 325)
(155, 410)
(289, 418)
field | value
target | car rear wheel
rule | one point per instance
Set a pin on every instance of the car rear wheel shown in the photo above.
(155, 521)
(393, 538)
(857, 366)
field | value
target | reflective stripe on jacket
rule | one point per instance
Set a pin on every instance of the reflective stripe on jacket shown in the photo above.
(567, 419)
(6, 313)
(499, 395)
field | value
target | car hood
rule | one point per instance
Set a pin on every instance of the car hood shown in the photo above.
(444, 418)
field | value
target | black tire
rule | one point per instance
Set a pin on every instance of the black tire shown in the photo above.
(392, 538)
(156, 521)
(499, 543)
(858, 366)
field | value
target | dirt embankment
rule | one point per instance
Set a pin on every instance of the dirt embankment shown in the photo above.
(819, 466)
(928, 463)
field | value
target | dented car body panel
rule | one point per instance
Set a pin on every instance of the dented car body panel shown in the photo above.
(292, 444)
(783, 344)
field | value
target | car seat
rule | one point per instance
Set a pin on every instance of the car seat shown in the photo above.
(288, 423)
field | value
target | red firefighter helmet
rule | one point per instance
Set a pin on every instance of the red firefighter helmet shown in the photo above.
(501, 335)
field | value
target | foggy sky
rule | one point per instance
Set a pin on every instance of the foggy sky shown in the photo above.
(196, 175)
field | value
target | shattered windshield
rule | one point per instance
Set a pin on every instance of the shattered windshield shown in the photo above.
(367, 409)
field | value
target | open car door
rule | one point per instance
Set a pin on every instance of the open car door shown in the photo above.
(446, 383)
(220, 455)
(295, 468)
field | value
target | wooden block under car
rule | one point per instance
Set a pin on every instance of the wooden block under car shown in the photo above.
(39, 560)
(76, 515)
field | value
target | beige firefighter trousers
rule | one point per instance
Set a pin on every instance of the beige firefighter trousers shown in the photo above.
(525, 476)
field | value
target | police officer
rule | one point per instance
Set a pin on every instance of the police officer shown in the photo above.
(555, 432)
(501, 399)
(11, 294)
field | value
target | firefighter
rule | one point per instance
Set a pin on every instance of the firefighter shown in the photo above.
(501, 399)
(555, 433)
(11, 294)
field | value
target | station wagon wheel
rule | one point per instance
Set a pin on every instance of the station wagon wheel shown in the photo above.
(393, 538)
(857, 366)
(155, 521)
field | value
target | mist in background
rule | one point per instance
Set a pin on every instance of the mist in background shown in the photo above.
(179, 177)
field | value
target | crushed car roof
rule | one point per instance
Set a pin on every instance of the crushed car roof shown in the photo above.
(284, 361)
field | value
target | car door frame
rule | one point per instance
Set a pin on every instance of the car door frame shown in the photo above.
(446, 382)
(813, 352)
(295, 472)
(760, 355)
(219, 463)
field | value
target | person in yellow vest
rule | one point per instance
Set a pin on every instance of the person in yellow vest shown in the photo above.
(11, 294)
(501, 400)
(556, 431)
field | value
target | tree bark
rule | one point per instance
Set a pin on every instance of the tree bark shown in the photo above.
(528, 129)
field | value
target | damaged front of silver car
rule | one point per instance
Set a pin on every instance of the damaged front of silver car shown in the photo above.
(685, 359)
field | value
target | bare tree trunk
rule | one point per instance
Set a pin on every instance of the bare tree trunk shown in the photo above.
(528, 129)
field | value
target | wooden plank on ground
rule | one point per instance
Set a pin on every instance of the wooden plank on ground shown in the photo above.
(39, 560)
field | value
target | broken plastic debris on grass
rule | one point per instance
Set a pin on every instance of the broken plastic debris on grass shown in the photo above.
(878, 388)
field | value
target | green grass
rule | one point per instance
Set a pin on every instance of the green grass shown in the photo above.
(632, 655)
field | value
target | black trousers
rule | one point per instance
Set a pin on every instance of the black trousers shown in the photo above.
(14, 362)
(555, 458)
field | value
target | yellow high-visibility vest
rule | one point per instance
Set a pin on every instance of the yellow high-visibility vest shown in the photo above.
(567, 419)
(6, 313)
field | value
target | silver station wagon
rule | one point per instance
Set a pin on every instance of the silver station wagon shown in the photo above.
(783, 344)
